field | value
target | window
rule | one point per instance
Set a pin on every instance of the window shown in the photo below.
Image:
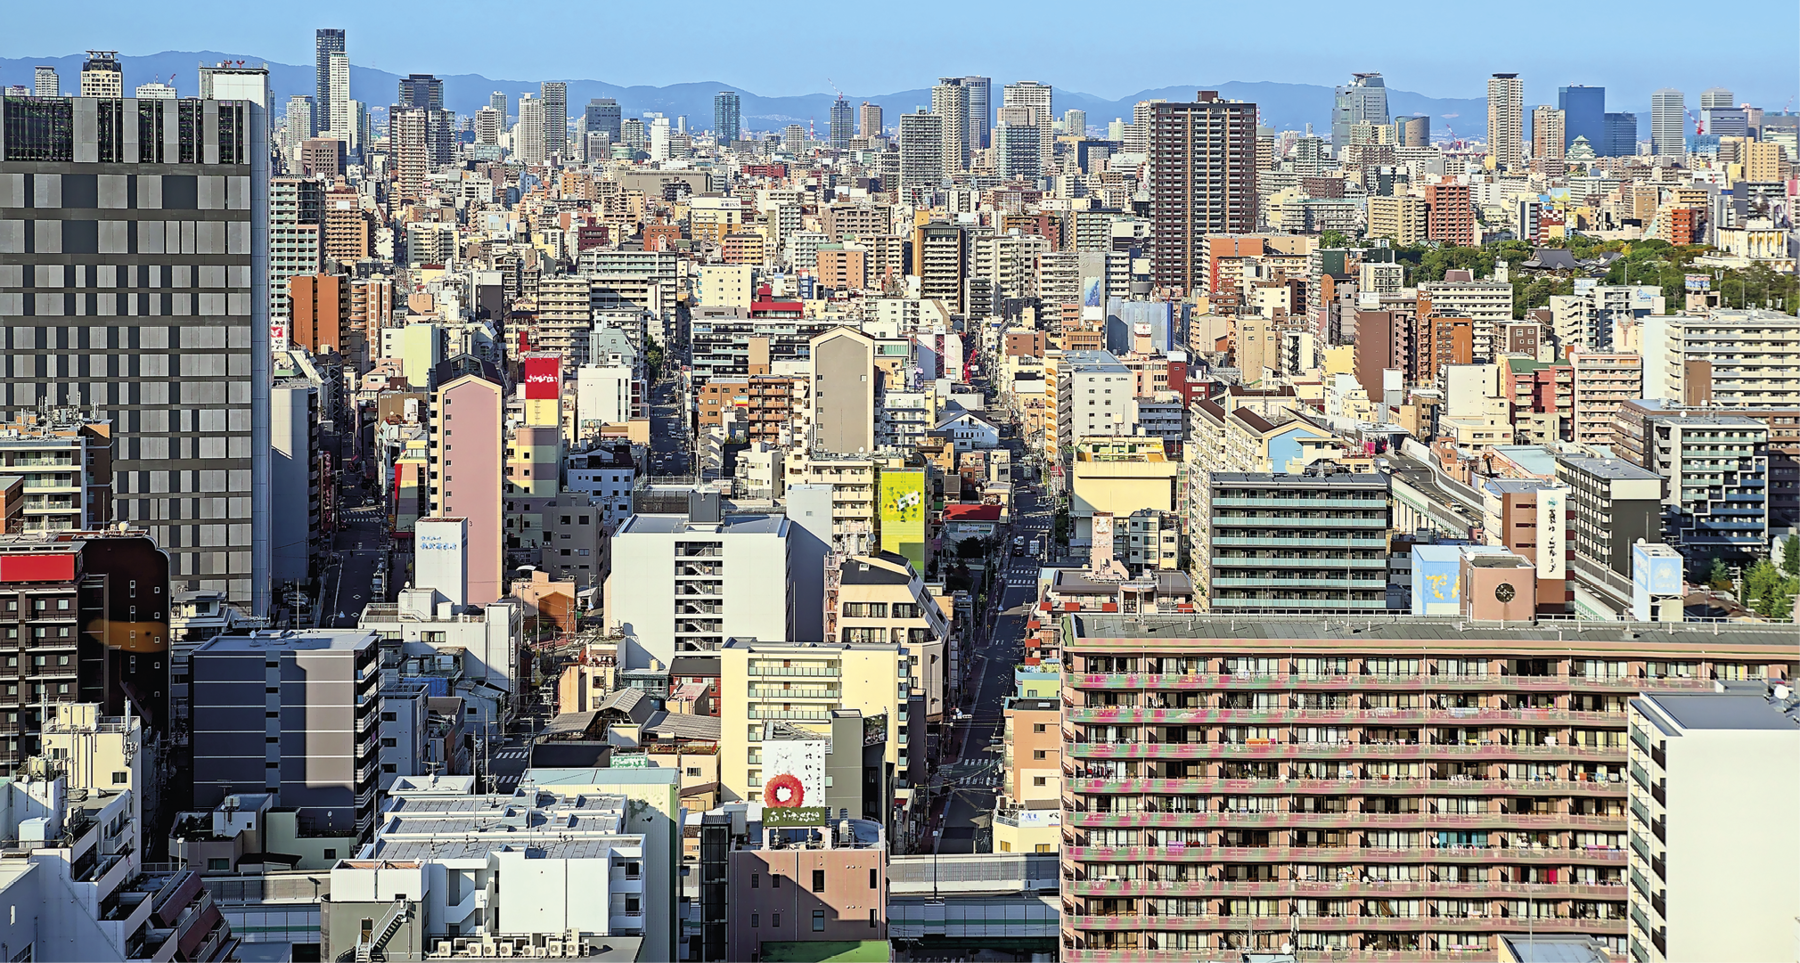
(330, 853)
(874, 879)
(693, 770)
(874, 918)
(756, 881)
(818, 881)
(1040, 780)
(121, 778)
(755, 920)
(389, 742)
(1039, 727)
(775, 883)
(218, 865)
(1039, 754)
(818, 921)
(389, 717)
(775, 918)
(389, 767)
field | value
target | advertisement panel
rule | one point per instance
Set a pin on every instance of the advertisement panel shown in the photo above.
(1553, 533)
(441, 556)
(794, 772)
(1699, 282)
(543, 376)
(903, 514)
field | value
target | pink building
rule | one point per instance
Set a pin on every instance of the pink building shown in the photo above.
(466, 474)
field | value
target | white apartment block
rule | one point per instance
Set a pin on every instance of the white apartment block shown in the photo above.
(1753, 357)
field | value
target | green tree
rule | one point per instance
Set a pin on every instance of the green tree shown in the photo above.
(1720, 576)
(1333, 239)
(1790, 555)
(653, 356)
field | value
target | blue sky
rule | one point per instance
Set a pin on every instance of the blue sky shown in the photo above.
(1108, 49)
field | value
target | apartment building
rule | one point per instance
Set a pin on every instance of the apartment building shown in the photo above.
(881, 599)
(1705, 765)
(86, 620)
(1119, 476)
(1273, 542)
(1094, 394)
(1716, 473)
(294, 713)
(1364, 786)
(1602, 382)
(64, 464)
(1748, 359)
(807, 685)
(1487, 305)
(1202, 158)
(698, 579)
(1401, 219)
(1449, 214)
(815, 887)
(1612, 504)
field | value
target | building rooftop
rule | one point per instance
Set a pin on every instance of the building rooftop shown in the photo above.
(681, 525)
(882, 568)
(1381, 629)
(1718, 710)
(1613, 469)
(290, 640)
(1286, 480)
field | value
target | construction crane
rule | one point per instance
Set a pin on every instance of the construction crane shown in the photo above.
(834, 88)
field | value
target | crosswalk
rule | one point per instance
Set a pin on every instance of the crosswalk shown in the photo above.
(504, 783)
(511, 754)
(979, 775)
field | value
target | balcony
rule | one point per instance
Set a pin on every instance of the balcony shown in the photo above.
(798, 671)
(1193, 853)
(1304, 521)
(1346, 820)
(1076, 885)
(811, 692)
(1078, 782)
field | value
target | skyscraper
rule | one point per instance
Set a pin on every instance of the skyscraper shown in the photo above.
(921, 151)
(487, 126)
(602, 116)
(529, 145)
(44, 82)
(102, 75)
(1074, 123)
(497, 100)
(421, 90)
(950, 100)
(426, 92)
(727, 116)
(173, 348)
(556, 118)
(1506, 120)
(409, 133)
(1036, 96)
(1715, 97)
(1668, 122)
(1413, 131)
(1584, 114)
(981, 111)
(1362, 101)
(843, 124)
(870, 120)
(1547, 133)
(1620, 138)
(1016, 153)
(1202, 181)
(326, 42)
(338, 69)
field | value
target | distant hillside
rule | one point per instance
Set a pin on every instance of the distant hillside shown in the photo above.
(1283, 106)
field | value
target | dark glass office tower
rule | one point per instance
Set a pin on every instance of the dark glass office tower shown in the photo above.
(1584, 114)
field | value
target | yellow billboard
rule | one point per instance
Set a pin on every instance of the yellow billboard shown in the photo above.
(903, 514)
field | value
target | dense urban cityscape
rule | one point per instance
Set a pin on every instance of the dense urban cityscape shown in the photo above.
(967, 530)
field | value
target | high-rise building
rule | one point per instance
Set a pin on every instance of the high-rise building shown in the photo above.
(869, 123)
(102, 75)
(556, 118)
(1701, 763)
(321, 692)
(843, 124)
(326, 42)
(421, 90)
(181, 364)
(1362, 101)
(296, 212)
(337, 123)
(1016, 148)
(87, 621)
(1074, 123)
(1227, 776)
(981, 111)
(467, 451)
(1548, 133)
(1449, 214)
(497, 100)
(921, 151)
(602, 116)
(488, 123)
(408, 132)
(950, 100)
(1668, 122)
(1039, 98)
(1202, 182)
(844, 392)
(529, 144)
(1584, 114)
(1621, 136)
(1506, 120)
(44, 82)
(728, 122)
(1413, 131)
(1715, 97)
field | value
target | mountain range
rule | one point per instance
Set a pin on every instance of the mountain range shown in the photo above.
(1283, 106)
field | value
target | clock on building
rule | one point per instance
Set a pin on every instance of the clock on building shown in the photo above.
(1505, 592)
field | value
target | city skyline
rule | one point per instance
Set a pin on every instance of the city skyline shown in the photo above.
(875, 61)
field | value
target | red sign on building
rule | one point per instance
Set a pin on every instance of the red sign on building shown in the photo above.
(543, 376)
